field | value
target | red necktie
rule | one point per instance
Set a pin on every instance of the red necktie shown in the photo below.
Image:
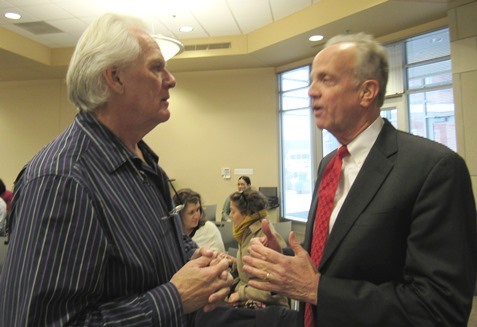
(326, 197)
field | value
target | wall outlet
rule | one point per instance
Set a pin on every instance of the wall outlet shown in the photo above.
(225, 172)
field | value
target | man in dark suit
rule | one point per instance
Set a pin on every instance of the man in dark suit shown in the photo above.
(401, 244)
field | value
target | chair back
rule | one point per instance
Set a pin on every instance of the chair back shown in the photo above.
(226, 230)
(210, 212)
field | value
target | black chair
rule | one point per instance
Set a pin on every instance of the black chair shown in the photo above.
(210, 211)
(226, 230)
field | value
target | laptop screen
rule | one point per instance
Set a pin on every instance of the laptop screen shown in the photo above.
(269, 192)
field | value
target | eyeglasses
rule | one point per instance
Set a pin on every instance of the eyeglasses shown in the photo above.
(173, 212)
(178, 208)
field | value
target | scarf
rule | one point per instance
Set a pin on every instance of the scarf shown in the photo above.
(248, 220)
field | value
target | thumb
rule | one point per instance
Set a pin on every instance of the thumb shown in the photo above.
(294, 245)
(266, 229)
(298, 250)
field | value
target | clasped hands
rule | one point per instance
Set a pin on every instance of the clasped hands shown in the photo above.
(293, 276)
(204, 281)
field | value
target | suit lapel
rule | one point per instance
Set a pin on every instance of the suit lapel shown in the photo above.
(372, 175)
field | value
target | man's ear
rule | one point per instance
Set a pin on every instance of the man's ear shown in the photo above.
(112, 76)
(369, 92)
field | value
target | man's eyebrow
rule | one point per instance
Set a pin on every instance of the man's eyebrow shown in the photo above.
(319, 74)
(158, 61)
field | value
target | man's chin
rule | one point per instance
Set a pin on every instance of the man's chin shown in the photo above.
(319, 123)
(164, 115)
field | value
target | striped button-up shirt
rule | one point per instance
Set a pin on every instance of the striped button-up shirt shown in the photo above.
(88, 246)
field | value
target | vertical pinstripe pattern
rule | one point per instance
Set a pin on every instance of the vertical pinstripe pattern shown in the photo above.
(87, 245)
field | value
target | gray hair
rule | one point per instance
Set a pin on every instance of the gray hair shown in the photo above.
(371, 60)
(108, 41)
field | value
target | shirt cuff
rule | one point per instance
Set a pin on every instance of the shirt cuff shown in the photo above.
(166, 305)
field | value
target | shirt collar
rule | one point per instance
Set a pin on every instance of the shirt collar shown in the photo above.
(361, 145)
(115, 153)
(256, 226)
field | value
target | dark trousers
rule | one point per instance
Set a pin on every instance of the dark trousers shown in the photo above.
(271, 316)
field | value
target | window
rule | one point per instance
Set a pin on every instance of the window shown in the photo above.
(419, 99)
(429, 87)
(296, 130)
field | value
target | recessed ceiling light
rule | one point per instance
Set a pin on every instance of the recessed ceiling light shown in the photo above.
(315, 38)
(186, 29)
(13, 15)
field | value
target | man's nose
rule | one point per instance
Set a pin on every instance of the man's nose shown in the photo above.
(170, 80)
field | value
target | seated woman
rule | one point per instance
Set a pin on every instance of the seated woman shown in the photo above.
(249, 306)
(243, 183)
(194, 223)
(247, 209)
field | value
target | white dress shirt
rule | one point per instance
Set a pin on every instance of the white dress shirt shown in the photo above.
(359, 149)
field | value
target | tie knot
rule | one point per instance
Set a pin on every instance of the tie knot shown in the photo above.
(343, 152)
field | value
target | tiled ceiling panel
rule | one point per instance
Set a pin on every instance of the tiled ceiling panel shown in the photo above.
(251, 15)
(217, 20)
(209, 18)
(283, 8)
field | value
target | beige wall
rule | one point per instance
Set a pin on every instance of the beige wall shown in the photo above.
(463, 33)
(32, 113)
(219, 119)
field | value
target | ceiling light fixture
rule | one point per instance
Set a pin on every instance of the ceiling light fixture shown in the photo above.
(186, 29)
(170, 47)
(315, 38)
(12, 15)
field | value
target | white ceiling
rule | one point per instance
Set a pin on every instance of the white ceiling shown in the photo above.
(209, 18)
(282, 27)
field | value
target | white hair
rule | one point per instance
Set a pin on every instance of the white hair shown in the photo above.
(108, 41)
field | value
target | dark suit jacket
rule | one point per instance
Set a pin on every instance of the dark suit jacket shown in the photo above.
(403, 249)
